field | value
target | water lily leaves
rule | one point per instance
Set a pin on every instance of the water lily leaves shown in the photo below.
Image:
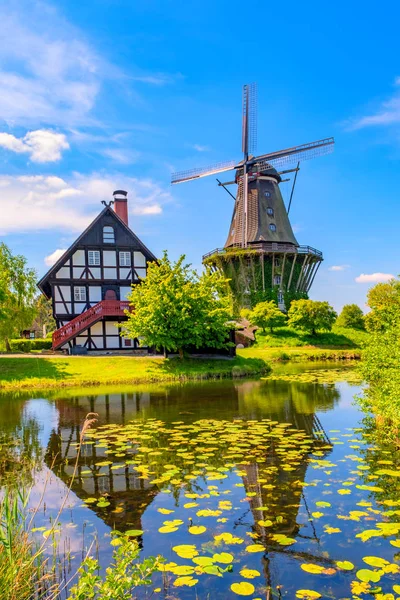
(255, 548)
(283, 540)
(249, 573)
(311, 568)
(307, 594)
(345, 565)
(331, 530)
(203, 561)
(182, 570)
(186, 550)
(197, 529)
(243, 588)
(323, 504)
(167, 529)
(223, 557)
(375, 561)
(366, 575)
(395, 543)
(90, 500)
(186, 580)
(396, 588)
(165, 511)
(190, 505)
(134, 532)
(103, 504)
(228, 538)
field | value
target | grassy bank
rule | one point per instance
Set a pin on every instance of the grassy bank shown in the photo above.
(58, 371)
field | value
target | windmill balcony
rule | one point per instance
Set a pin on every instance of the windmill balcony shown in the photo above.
(266, 247)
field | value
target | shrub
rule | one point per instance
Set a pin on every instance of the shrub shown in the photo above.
(267, 314)
(311, 315)
(351, 316)
(28, 345)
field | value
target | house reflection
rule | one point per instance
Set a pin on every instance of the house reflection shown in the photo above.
(129, 494)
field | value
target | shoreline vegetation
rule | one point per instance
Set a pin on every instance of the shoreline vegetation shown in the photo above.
(58, 372)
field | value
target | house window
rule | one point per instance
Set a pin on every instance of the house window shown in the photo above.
(80, 294)
(270, 211)
(272, 227)
(280, 298)
(277, 280)
(94, 257)
(124, 259)
(127, 343)
(108, 235)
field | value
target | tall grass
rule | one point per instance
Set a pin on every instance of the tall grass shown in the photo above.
(22, 565)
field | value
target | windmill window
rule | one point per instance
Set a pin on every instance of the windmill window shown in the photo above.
(272, 227)
(124, 259)
(108, 235)
(280, 298)
(80, 294)
(267, 194)
(277, 280)
(270, 211)
(94, 258)
(233, 231)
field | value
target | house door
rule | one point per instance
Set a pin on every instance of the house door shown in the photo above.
(110, 295)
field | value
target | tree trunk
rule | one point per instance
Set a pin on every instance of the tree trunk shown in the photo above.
(44, 330)
(272, 331)
(165, 352)
(8, 347)
(180, 353)
(314, 332)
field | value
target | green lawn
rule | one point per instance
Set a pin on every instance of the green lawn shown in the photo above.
(17, 373)
(338, 338)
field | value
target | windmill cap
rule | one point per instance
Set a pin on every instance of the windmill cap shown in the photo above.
(120, 195)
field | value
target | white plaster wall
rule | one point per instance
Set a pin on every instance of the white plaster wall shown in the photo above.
(109, 258)
(78, 258)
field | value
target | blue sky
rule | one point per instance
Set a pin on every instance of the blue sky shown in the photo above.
(109, 94)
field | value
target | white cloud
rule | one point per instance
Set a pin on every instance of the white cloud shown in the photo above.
(52, 258)
(373, 277)
(386, 114)
(338, 267)
(50, 75)
(201, 148)
(121, 156)
(43, 145)
(40, 203)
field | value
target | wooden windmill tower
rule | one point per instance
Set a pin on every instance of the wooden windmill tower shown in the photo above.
(261, 256)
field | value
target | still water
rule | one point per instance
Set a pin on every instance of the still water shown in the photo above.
(264, 489)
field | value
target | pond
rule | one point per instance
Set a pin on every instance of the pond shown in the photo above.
(264, 489)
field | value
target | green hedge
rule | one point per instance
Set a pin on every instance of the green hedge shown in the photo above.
(24, 345)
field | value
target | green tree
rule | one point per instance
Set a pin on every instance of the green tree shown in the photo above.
(44, 315)
(174, 308)
(267, 314)
(384, 301)
(351, 316)
(311, 316)
(17, 295)
(381, 358)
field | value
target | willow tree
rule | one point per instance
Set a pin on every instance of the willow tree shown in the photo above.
(175, 308)
(17, 295)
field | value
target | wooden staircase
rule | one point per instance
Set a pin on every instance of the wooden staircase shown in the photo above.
(105, 308)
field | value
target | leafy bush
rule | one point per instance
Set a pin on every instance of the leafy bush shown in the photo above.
(351, 316)
(267, 314)
(24, 345)
(381, 358)
(311, 315)
(121, 578)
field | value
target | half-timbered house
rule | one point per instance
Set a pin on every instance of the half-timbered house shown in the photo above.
(89, 285)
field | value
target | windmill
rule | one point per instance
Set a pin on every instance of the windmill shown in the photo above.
(261, 256)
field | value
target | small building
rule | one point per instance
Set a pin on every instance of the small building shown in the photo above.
(89, 285)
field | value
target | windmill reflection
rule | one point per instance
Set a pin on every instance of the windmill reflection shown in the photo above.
(129, 494)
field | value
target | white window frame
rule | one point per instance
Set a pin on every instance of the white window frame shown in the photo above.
(123, 256)
(270, 211)
(281, 298)
(109, 235)
(272, 227)
(94, 258)
(79, 293)
(277, 280)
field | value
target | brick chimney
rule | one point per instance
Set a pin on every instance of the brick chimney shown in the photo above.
(121, 205)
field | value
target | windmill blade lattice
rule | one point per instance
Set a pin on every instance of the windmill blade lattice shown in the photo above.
(182, 176)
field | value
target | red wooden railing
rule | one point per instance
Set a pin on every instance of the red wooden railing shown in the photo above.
(105, 308)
